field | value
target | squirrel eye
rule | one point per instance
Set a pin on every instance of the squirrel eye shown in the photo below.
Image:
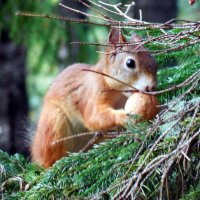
(130, 63)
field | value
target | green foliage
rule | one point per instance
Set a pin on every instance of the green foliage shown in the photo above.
(11, 165)
(193, 194)
(15, 171)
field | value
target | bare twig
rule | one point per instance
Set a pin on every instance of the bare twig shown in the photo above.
(103, 74)
(82, 21)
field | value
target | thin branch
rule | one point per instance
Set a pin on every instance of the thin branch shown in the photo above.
(96, 11)
(122, 14)
(72, 20)
(83, 13)
(103, 74)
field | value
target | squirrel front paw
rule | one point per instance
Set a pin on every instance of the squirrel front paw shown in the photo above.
(121, 117)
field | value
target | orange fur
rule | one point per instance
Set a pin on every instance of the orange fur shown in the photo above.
(75, 103)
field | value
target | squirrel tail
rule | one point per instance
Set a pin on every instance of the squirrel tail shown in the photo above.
(53, 125)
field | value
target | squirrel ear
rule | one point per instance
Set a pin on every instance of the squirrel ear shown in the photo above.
(135, 38)
(115, 36)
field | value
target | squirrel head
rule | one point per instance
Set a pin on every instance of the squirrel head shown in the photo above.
(129, 62)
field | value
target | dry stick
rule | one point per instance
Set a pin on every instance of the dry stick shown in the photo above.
(176, 48)
(99, 195)
(119, 44)
(174, 117)
(146, 42)
(138, 26)
(95, 10)
(170, 163)
(16, 178)
(180, 35)
(154, 161)
(72, 137)
(122, 14)
(108, 24)
(102, 7)
(119, 12)
(101, 73)
(180, 20)
(144, 179)
(177, 36)
(83, 13)
(184, 155)
(161, 25)
(29, 14)
(129, 7)
(124, 24)
(124, 193)
(145, 171)
(184, 34)
(142, 174)
(117, 50)
(90, 143)
(186, 158)
(158, 52)
(182, 179)
(104, 134)
(190, 124)
(168, 198)
(147, 176)
(175, 153)
(198, 170)
(169, 166)
(190, 139)
(149, 169)
(180, 98)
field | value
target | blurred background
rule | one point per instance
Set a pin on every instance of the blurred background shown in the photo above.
(34, 50)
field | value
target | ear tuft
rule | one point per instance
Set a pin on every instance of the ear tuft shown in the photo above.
(115, 36)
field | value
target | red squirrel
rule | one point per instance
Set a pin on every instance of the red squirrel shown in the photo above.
(75, 103)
